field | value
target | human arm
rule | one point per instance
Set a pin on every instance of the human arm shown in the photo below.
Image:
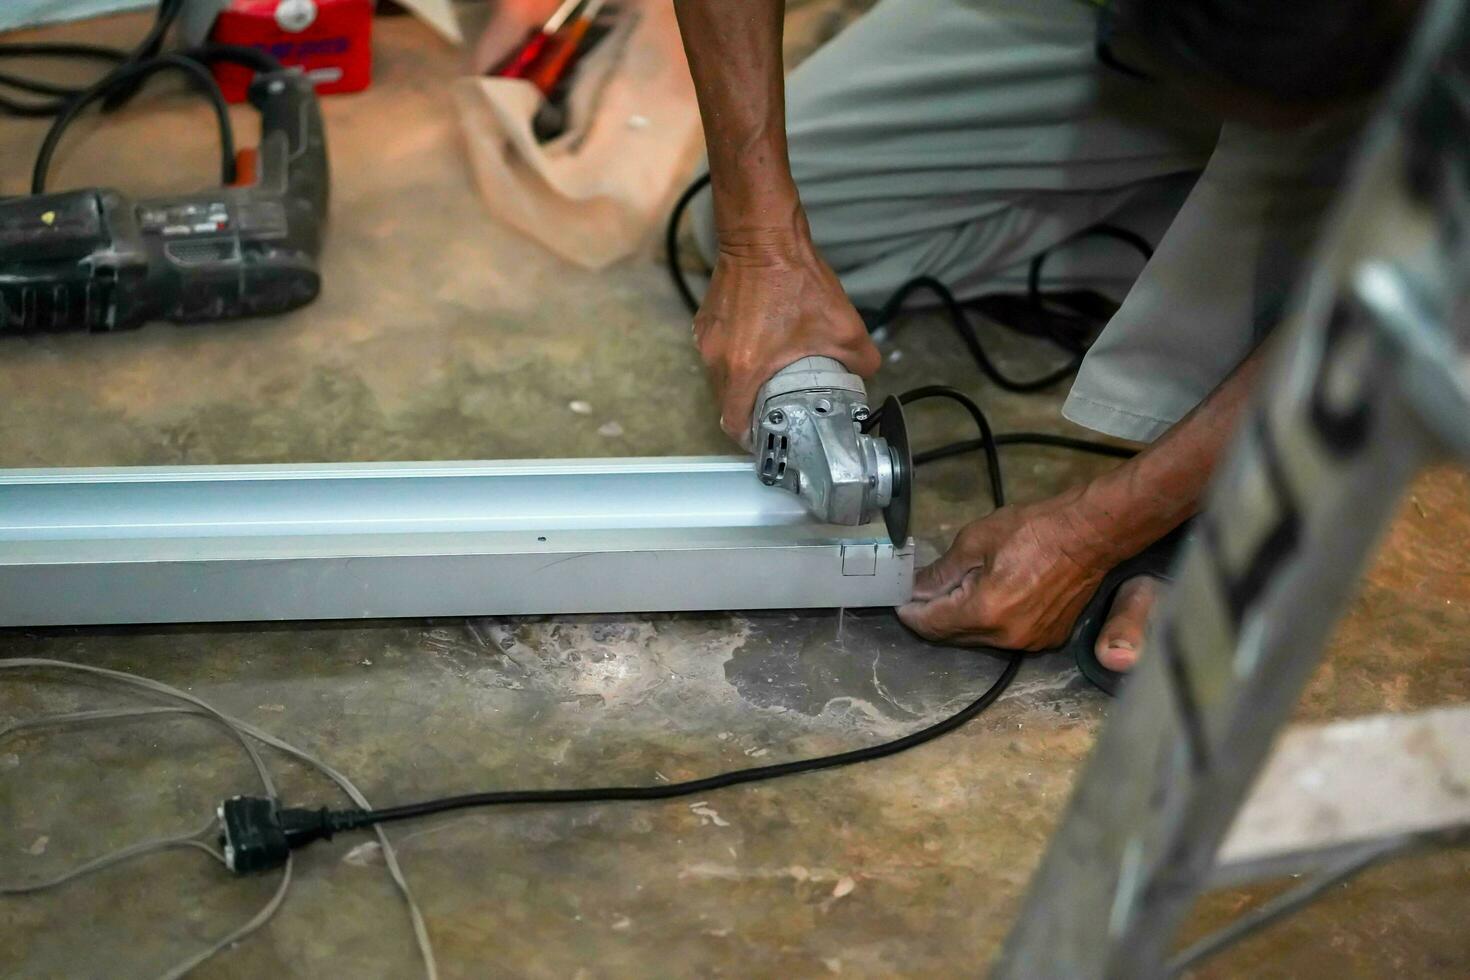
(1018, 578)
(772, 298)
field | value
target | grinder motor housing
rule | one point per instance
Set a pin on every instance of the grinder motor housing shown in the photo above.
(809, 437)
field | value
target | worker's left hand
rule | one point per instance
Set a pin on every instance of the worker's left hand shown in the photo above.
(1016, 579)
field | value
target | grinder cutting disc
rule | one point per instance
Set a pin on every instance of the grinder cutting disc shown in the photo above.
(893, 429)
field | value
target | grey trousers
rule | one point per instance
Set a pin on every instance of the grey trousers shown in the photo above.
(960, 138)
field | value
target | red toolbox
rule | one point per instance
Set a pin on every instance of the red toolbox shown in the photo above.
(331, 40)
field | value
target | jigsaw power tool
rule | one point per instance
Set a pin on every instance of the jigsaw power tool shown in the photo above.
(811, 436)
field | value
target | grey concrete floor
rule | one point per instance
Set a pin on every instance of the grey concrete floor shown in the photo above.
(442, 335)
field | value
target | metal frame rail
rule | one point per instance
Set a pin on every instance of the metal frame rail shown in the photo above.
(330, 541)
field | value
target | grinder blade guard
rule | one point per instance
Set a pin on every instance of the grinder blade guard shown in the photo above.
(809, 438)
(893, 429)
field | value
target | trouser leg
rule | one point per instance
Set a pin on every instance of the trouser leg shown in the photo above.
(960, 139)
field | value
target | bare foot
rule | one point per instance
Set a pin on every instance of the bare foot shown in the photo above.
(1121, 640)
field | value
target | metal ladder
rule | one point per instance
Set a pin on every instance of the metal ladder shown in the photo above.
(1372, 383)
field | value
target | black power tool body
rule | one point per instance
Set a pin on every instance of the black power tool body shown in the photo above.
(96, 260)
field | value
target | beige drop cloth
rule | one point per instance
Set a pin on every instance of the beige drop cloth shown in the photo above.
(594, 194)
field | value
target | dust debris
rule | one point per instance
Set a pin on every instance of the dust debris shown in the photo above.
(707, 815)
(38, 846)
(610, 429)
(580, 407)
(364, 855)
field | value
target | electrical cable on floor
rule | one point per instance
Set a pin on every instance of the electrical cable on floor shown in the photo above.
(117, 85)
(966, 331)
(197, 840)
(148, 47)
(239, 730)
(37, 86)
(193, 64)
(353, 820)
(132, 74)
(155, 846)
(1266, 915)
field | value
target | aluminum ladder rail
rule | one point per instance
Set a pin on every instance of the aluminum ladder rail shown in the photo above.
(1372, 385)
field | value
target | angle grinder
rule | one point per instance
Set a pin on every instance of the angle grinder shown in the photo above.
(812, 435)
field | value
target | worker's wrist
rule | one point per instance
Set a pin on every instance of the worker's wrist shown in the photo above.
(760, 202)
(766, 236)
(1112, 525)
(1117, 520)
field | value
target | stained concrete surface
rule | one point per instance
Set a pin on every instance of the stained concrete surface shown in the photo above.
(442, 335)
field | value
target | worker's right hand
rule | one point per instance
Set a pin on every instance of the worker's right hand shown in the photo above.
(773, 300)
(1017, 578)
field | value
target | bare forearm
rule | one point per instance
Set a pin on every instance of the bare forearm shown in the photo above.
(734, 51)
(1151, 494)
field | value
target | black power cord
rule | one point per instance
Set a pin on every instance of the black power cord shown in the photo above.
(58, 95)
(265, 834)
(960, 321)
(129, 76)
(301, 826)
(671, 242)
(193, 65)
(1027, 439)
(116, 86)
(986, 443)
(259, 834)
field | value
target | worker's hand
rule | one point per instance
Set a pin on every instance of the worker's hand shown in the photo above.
(772, 301)
(1016, 579)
